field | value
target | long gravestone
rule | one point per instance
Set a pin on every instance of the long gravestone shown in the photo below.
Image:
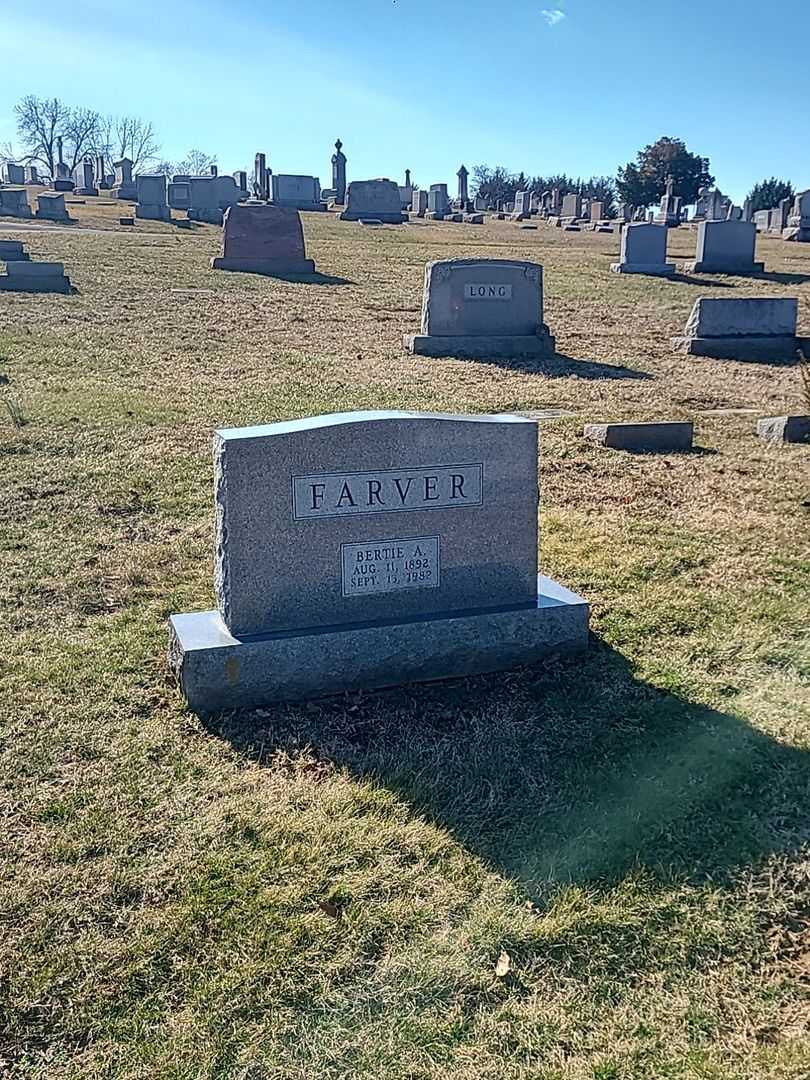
(370, 549)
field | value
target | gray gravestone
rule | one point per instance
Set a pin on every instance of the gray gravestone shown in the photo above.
(14, 203)
(438, 200)
(151, 196)
(644, 251)
(13, 174)
(744, 328)
(260, 238)
(124, 186)
(662, 436)
(261, 178)
(13, 251)
(726, 247)
(571, 206)
(371, 549)
(29, 276)
(204, 199)
(482, 308)
(51, 207)
(377, 199)
(420, 202)
(296, 192)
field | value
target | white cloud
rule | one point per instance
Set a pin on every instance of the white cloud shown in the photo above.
(553, 15)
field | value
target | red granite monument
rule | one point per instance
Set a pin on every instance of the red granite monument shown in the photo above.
(263, 239)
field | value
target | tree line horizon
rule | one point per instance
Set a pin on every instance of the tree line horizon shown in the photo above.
(84, 132)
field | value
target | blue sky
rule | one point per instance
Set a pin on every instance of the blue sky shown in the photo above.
(574, 86)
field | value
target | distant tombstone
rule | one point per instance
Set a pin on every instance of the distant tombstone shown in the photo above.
(669, 212)
(84, 178)
(227, 191)
(742, 328)
(571, 206)
(62, 180)
(419, 203)
(644, 251)
(263, 239)
(14, 203)
(179, 194)
(523, 205)
(13, 174)
(296, 192)
(204, 199)
(438, 199)
(339, 173)
(124, 186)
(797, 223)
(100, 173)
(624, 212)
(261, 178)
(51, 207)
(482, 308)
(726, 247)
(13, 251)
(597, 210)
(213, 170)
(373, 199)
(790, 429)
(151, 197)
(354, 551)
(479, 203)
(241, 182)
(31, 174)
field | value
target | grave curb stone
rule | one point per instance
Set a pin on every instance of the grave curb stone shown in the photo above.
(789, 429)
(658, 436)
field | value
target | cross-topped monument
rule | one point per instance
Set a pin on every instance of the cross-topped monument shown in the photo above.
(339, 173)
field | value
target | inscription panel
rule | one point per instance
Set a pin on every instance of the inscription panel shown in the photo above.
(381, 566)
(387, 490)
(481, 291)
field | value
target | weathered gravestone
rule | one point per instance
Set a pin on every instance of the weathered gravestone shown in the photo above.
(151, 195)
(51, 207)
(13, 174)
(371, 549)
(123, 187)
(744, 328)
(482, 308)
(419, 203)
(263, 239)
(438, 201)
(14, 203)
(27, 276)
(296, 192)
(652, 437)
(204, 199)
(13, 251)
(790, 429)
(179, 193)
(797, 221)
(31, 174)
(84, 178)
(596, 211)
(726, 247)
(644, 251)
(523, 205)
(571, 206)
(374, 199)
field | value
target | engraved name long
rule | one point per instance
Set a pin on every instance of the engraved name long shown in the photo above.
(388, 490)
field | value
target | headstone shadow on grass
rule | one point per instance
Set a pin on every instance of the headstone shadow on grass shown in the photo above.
(561, 366)
(572, 772)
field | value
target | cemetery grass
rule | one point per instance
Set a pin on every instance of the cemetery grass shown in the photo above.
(598, 868)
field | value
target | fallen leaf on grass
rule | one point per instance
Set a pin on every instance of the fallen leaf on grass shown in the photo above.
(334, 911)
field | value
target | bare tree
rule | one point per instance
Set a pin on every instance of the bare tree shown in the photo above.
(127, 137)
(39, 123)
(81, 133)
(196, 163)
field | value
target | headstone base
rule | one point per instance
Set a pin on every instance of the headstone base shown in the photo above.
(476, 347)
(153, 212)
(270, 267)
(63, 185)
(85, 191)
(771, 347)
(45, 215)
(717, 268)
(217, 671)
(651, 269)
(797, 234)
(387, 219)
